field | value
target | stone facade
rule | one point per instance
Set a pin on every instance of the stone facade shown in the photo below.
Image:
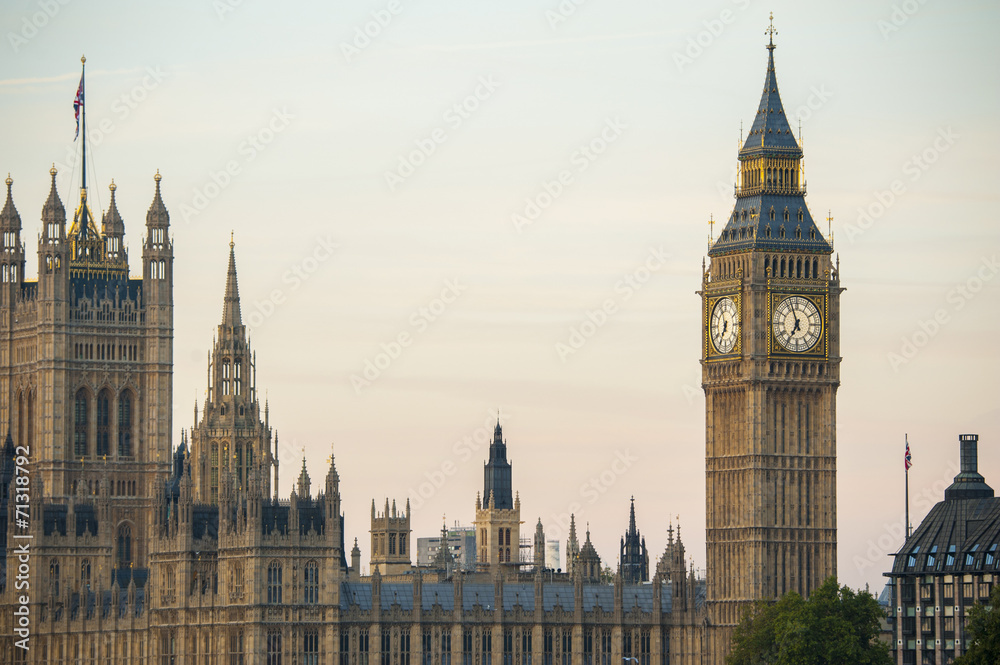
(140, 554)
(770, 371)
(390, 544)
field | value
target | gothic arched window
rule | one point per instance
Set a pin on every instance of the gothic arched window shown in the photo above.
(124, 546)
(85, 575)
(274, 583)
(80, 413)
(310, 584)
(54, 577)
(125, 424)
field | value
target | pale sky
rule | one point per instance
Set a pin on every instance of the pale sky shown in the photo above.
(898, 104)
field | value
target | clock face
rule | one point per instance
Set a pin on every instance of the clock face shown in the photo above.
(725, 325)
(797, 324)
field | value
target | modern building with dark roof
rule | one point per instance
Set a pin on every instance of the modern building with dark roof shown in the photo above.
(949, 563)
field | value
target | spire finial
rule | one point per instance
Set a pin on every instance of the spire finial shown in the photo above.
(9, 181)
(53, 171)
(232, 242)
(83, 59)
(771, 32)
(112, 186)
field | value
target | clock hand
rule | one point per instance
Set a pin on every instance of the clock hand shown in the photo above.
(796, 328)
(725, 324)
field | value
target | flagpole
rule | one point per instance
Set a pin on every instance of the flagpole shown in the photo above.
(907, 467)
(83, 64)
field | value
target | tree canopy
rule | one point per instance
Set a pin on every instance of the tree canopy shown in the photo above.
(835, 625)
(982, 636)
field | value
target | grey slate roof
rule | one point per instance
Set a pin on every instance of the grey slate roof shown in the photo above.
(957, 536)
(770, 132)
(748, 225)
(751, 226)
(358, 595)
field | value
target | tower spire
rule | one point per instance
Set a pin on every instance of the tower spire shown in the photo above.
(770, 211)
(231, 304)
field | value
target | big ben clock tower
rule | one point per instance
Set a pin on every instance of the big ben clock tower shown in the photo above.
(770, 370)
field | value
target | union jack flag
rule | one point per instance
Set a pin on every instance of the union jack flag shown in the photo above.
(77, 103)
(907, 458)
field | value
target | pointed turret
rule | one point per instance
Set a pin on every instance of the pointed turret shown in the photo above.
(539, 546)
(11, 250)
(572, 545)
(633, 562)
(588, 563)
(53, 251)
(231, 316)
(443, 560)
(157, 215)
(53, 215)
(303, 484)
(332, 478)
(770, 211)
(113, 228)
(10, 219)
(497, 474)
(770, 132)
(157, 253)
(232, 403)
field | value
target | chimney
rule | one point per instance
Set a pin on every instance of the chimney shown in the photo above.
(968, 483)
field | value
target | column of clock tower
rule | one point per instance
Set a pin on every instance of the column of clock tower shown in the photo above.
(770, 371)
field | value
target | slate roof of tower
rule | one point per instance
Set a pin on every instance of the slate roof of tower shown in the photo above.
(770, 132)
(751, 225)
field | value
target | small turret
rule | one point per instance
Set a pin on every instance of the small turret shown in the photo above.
(355, 561)
(539, 547)
(113, 229)
(572, 545)
(11, 249)
(303, 484)
(53, 250)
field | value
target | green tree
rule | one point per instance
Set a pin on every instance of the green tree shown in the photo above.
(983, 633)
(836, 625)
